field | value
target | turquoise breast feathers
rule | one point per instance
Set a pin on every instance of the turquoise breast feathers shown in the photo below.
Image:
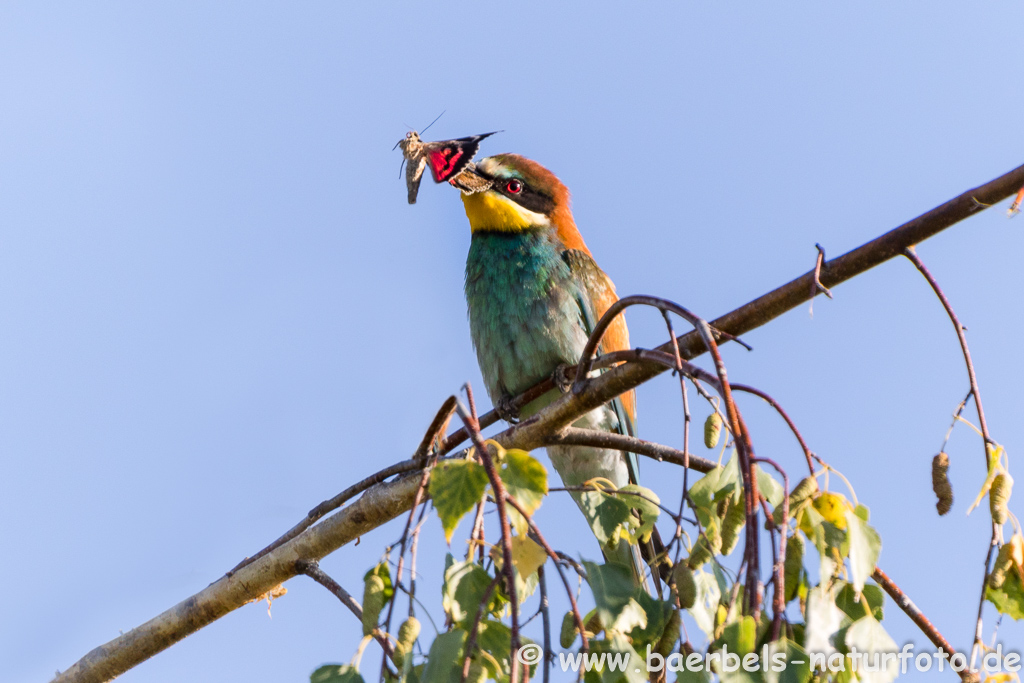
(522, 298)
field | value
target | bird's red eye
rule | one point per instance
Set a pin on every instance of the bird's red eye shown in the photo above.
(514, 186)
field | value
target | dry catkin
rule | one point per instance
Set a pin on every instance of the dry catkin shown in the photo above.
(686, 587)
(712, 430)
(794, 562)
(999, 496)
(1004, 560)
(940, 483)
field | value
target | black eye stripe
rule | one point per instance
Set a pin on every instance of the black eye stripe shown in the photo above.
(528, 198)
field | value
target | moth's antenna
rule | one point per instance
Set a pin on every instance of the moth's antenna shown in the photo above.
(400, 167)
(432, 122)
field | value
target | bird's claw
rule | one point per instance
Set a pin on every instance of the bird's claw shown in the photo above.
(506, 409)
(560, 377)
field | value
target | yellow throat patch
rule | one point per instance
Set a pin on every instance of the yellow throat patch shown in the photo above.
(492, 211)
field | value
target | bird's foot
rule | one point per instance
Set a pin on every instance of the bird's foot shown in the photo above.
(506, 409)
(561, 377)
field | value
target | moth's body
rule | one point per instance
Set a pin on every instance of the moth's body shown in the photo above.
(447, 158)
(534, 292)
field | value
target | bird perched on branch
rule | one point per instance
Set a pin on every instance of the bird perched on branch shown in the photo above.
(534, 294)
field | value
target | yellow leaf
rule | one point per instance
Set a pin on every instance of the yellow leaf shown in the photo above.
(832, 507)
(527, 555)
(1000, 678)
(1017, 550)
(994, 468)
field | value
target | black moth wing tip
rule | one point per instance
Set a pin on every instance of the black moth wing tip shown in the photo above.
(470, 146)
(478, 138)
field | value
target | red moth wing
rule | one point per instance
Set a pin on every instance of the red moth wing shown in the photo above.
(448, 158)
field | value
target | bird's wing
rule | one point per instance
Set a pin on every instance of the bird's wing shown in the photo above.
(597, 296)
(598, 288)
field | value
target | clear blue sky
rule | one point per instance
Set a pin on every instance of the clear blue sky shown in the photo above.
(218, 309)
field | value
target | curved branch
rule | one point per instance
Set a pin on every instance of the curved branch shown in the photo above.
(576, 436)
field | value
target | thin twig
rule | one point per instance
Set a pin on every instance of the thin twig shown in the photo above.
(686, 419)
(745, 448)
(412, 558)
(956, 418)
(557, 558)
(545, 614)
(437, 427)
(816, 285)
(467, 654)
(982, 424)
(500, 494)
(959, 328)
(420, 493)
(779, 601)
(330, 505)
(311, 568)
(782, 413)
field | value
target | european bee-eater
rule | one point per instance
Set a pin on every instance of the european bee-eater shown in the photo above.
(534, 294)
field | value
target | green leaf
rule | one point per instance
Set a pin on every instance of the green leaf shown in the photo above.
(615, 596)
(702, 491)
(823, 621)
(708, 595)
(724, 583)
(495, 638)
(632, 672)
(697, 676)
(373, 603)
(797, 662)
(740, 636)
(863, 512)
(868, 636)
(808, 520)
(740, 675)
(336, 673)
(526, 480)
(456, 486)
(464, 586)
(658, 614)
(865, 546)
(381, 570)
(769, 487)
(606, 514)
(527, 557)
(870, 604)
(730, 481)
(646, 503)
(1008, 598)
(444, 663)
(836, 538)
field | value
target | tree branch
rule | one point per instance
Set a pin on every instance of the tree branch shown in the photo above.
(382, 502)
(379, 505)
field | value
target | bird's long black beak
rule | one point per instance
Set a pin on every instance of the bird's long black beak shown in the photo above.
(470, 181)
